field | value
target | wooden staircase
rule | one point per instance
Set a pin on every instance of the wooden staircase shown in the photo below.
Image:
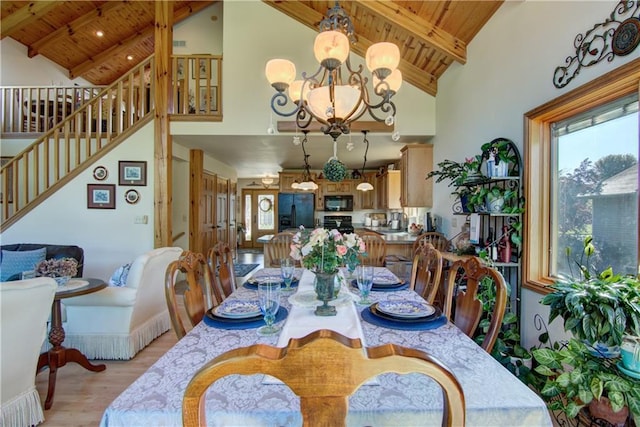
(76, 142)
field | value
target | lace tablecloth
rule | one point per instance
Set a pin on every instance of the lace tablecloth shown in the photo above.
(494, 397)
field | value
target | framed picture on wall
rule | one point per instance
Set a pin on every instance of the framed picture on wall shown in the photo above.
(202, 69)
(101, 196)
(209, 101)
(132, 173)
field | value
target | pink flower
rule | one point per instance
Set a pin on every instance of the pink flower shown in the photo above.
(341, 249)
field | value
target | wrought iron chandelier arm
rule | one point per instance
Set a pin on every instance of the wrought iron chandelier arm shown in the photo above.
(280, 99)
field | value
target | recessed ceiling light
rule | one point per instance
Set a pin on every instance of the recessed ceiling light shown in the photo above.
(130, 57)
(99, 33)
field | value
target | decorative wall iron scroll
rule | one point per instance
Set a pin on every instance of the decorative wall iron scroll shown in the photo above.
(618, 35)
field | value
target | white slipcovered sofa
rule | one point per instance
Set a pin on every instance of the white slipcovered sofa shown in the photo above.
(25, 306)
(118, 322)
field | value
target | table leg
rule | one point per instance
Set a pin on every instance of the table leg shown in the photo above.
(58, 356)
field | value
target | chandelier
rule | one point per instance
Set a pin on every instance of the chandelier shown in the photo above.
(333, 96)
(307, 184)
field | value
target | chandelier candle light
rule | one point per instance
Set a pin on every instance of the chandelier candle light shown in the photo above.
(332, 96)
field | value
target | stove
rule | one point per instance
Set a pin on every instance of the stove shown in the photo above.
(340, 222)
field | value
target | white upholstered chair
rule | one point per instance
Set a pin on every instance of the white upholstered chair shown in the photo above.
(25, 306)
(118, 322)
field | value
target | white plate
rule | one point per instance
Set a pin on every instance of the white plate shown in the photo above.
(385, 279)
(238, 309)
(406, 309)
(309, 299)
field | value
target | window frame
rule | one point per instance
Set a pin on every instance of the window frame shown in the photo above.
(620, 82)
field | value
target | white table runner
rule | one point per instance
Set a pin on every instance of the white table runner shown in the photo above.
(302, 320)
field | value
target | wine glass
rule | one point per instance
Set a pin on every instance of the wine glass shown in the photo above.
(286, 270)
(364, 278)
(269, 296)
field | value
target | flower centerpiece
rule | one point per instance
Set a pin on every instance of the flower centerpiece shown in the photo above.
(323, 252)
(61, 269)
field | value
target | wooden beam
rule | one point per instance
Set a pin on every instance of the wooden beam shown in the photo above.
(123, 46)
(163, 143)
(106, 55)
(430, 34)
(309, 17)
(73, 27)
(16, 21)
(357, 126)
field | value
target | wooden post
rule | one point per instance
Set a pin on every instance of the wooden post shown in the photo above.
(163, 151)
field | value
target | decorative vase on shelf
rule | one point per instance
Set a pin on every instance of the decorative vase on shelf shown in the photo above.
(325, 283)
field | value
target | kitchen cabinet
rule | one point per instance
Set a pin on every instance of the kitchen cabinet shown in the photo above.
(387, 190)
(365, 199)
(288, 178)
(342, 187)
(416, 162)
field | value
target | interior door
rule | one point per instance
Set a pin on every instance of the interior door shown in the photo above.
(222, 230)
(233, 231)
(259, 209)
(208, 212)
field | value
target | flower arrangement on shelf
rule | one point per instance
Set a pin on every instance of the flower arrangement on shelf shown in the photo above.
(323, 250)
(61, 267)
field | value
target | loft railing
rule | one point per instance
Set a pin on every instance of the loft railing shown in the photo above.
(196, 85)
(39, 108)
(74, 141)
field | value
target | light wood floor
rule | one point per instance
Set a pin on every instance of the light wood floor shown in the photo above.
(82, 396)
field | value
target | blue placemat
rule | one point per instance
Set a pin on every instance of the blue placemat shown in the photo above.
(384, 288)
(254, 286)
(222, 323)
(424, 325)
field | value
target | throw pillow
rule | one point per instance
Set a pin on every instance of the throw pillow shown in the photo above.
(15, 262)
(119, 277)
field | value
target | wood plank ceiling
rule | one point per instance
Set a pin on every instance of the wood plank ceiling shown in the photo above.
(430, 34)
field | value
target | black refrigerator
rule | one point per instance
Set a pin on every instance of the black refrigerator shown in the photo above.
(295, 209)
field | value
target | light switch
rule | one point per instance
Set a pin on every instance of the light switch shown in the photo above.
(141, 219)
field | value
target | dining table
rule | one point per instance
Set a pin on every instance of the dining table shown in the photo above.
(493, 396)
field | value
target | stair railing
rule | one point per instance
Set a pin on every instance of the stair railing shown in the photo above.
(72, 144)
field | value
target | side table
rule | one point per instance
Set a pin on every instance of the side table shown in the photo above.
(58, 356)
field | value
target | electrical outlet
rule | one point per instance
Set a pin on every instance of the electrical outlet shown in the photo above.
(454, 222)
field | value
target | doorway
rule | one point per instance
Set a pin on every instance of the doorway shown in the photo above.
(259, 213)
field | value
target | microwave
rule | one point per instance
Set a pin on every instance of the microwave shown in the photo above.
(338, 203)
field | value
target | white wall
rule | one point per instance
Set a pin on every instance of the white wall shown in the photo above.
(202, 32)
(17, 69)
(509, 71)
(109, 237)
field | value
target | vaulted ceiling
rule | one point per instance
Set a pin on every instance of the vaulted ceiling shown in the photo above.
(431, 34)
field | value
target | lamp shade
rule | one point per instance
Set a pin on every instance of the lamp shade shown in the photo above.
(383, 55)
(280, 71)
(295, 90)
(347, 98)
(394, 80)
(364, 186)
(331, 45)
(308, 186)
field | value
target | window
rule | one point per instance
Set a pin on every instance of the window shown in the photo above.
(581, 177)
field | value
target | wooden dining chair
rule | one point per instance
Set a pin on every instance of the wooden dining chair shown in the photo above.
(303, 366)
(426, 278)
(199, 295)
(220, 261)
(277, 248)
(438, 240)
(376, 249)
(468, 308)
